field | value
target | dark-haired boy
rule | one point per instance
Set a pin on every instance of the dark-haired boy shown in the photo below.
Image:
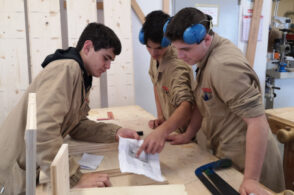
(62, 90)
(172, 80)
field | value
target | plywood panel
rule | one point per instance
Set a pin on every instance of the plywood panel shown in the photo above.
(13, 55)
(60, 172)
(44, 31)
(178, 189)
(120, 77)
(79, 14)
(30, 139)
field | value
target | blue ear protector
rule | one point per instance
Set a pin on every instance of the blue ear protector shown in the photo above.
(195, 33)
(164, 41)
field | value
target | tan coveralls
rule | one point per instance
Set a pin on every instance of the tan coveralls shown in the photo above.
(62, 107)
(227, 90)
(173, 80)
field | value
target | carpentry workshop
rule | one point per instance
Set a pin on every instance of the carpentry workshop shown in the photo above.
(162, 97)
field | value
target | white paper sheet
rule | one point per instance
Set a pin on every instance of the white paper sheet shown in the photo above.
(145, 164)
(90, 161)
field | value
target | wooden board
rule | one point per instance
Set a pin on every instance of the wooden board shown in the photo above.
(253, 33)
(30, 140)
(134, 190)
(284, 115)
(283, 118)
(13, 55)
(120, 77)
(60, 172)
(44, 31)
(79, 14)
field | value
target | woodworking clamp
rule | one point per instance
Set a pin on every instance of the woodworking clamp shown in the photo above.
(214, 183)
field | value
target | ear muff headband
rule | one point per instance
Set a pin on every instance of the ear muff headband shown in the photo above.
(195, 33)
(141, 37)
(164, 41)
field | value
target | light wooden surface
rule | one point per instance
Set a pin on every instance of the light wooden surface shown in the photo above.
(44, 31)
(120, 77)
(253, 33)
(178, 162)
(60, 172)
(134, 190)
(281, 121)
(30, 139)
(14, 77)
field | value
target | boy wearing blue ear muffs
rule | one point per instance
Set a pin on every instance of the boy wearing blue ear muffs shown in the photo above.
(172, 80)
(229, 109)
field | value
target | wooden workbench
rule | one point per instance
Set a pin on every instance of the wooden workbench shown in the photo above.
(178, 162)
(281, 121)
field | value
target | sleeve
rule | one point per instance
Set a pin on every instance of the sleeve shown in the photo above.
(238, 86)
(151, 71)
(91, 131)
(181, 86)
(54, 89)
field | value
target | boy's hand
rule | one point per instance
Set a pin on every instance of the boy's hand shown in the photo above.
(250, 186)
(126, 133)
(179, 138)
(92, 180)
(155, 123)
(153, 143)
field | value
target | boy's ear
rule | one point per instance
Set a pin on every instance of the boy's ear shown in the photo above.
(87, 46)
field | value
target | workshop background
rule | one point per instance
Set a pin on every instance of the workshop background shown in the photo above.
(32, 29)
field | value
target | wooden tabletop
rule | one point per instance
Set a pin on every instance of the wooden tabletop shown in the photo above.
(178, 162)
(283, 115)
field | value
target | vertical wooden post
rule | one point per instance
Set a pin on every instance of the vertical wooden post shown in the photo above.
(253, 34)
(30, 139)
(165, 6)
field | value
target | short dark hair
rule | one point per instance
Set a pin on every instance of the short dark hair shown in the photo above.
(101, 36)
(153, 26)
(183, 19)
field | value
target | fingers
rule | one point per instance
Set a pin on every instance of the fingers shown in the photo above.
(102, 180)
(140, 149)
(151, 124)
(135, 135)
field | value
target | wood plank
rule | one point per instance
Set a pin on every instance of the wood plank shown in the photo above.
(120, 77)
(165, 6)
(253, 33)
(44, 31)
(13, 55)
(79, 14)
(138, 11)
(60, 172)
(284, 115)
(30, 139)
(177, 189)
(283, 118)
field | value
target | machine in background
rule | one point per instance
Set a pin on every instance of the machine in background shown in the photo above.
(281, 53)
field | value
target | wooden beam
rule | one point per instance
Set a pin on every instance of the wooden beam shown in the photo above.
(100, 5)
(30, 139)
(136, 8)
(253, 34)
(60, 172)
(165, 6)
(138, 11)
